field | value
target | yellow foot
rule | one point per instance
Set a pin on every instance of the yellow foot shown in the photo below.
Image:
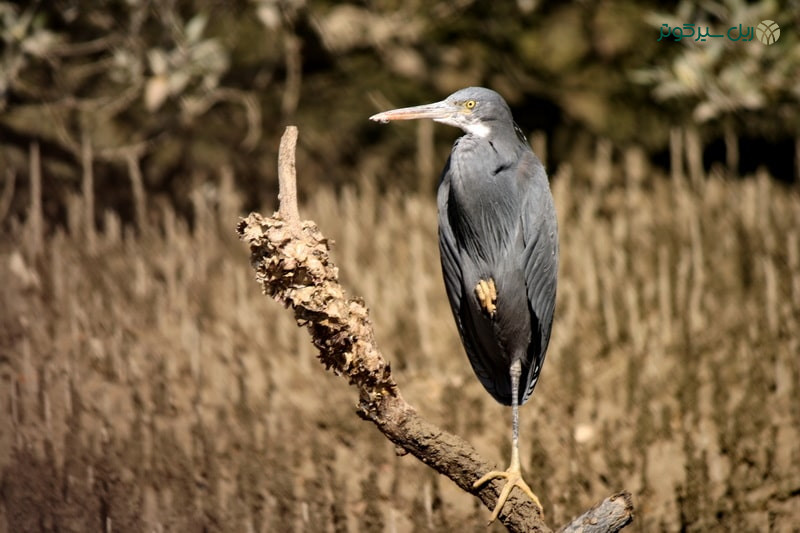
(487, 295)
(513, 479)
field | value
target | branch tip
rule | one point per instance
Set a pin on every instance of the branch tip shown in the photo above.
(287, 177)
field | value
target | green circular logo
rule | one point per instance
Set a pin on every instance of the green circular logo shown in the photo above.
(768, 31)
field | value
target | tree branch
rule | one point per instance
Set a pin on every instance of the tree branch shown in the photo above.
(287, 176)
(293, 266)
(611, 514)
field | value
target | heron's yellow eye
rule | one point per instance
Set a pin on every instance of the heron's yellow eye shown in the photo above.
(469, 104)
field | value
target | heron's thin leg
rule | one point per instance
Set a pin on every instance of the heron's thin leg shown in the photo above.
(513, 475)
(516, 372)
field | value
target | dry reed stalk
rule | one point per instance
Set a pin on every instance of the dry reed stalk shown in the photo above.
(168, 262)
(294, 71)
(197, 263)
(694, 158)
(75, 216)
(793, 259)
(47, 412)
(684, 255)
(383, 246)
(87, 186)
(676, 155)
(112, 229)
(748, 205)
(57, 271)
(602, 164)
(137, 187)
(8, 193)
(664, 295)
(350, 245)
(635, 166)
(771, 308)
(568, 315)
(371, 210)
(293, 265)
(593, 234)
(764, 206)
(697, 319)
(418, 280)
(426, 172)
(35, 224)
(141, 279)
(13, 401)
(229, 201)
(636, 330)
(590, 278)
(539, 145)
(606, 276)
(561, 185)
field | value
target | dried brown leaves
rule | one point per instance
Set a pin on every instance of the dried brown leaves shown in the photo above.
(293, 265)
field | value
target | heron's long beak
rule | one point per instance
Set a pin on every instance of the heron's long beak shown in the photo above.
(436, 111)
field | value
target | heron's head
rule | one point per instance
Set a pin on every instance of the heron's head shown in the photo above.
(475, 110)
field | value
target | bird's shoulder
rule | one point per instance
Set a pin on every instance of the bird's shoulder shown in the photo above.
(483, 157)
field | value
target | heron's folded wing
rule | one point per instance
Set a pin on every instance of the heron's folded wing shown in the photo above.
(452, 265)
(540, 265)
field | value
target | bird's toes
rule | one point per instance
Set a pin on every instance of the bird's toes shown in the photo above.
(486, 292)
(489, 475)
(513, 479)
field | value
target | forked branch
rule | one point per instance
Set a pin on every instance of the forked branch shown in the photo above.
(293, 266)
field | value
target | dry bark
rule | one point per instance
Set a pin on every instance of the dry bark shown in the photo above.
(293, 266)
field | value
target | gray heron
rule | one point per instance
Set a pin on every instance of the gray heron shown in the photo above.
(498, 240)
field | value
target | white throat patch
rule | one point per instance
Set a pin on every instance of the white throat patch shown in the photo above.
(480, 130)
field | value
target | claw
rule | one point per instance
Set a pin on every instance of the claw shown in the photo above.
(513, 479)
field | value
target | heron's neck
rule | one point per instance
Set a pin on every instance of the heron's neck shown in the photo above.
(478, 129)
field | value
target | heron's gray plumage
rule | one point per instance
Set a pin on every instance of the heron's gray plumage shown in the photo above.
(499, 248)
(496, 221)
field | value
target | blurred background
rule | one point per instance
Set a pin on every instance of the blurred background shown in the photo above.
(146, 384)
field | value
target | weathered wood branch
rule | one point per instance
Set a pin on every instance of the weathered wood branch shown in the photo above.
(293, 266)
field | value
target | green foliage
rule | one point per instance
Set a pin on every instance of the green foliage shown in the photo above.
(718, 79)
(188, 86)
